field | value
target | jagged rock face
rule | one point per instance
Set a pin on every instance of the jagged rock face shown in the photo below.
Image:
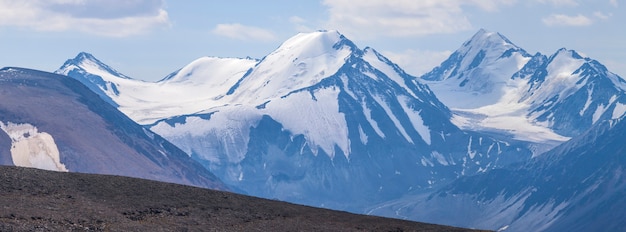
(569, 93)
(54, 122)
(494, 86)
(321, 122)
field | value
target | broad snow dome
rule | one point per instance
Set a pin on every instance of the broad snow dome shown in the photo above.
(302, 61)
(193, 88)
(215, 71)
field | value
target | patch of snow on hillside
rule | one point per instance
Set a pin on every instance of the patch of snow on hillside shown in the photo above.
(416, 119)
(439, 157)
(31, 148)
(587, 103)
(368, 115)
(619, 110)
(316, 116)
(598, 113)
(362, 135)
(393, 117)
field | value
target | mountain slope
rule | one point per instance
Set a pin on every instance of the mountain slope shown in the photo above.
(35, 200)
(53, 122)
(321, 122)
(578, 186)
(495, 86)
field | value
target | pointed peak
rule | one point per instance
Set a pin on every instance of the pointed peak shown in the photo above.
(569, 53)
(488, 38)
(86, 60)
(85, 55)
(490, 43)
(561, 50)
(482, 31)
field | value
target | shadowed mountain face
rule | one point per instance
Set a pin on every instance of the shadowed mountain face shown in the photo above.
(578, 186)
(53, 122)
(38, 200)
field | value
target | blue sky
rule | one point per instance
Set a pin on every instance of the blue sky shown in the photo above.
(148, 39)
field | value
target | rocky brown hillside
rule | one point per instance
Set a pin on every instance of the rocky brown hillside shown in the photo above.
(52, 122)
(38, 200)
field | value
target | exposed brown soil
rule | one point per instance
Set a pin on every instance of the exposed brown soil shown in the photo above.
(37, 200)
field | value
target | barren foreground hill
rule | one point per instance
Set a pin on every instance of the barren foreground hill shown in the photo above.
(38, 200)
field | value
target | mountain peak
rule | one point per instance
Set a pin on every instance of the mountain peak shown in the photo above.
(485, 39)
(85, 60)
(314, 43)
(301, 61)
(85, 56)
(471, 61)
(568, 53)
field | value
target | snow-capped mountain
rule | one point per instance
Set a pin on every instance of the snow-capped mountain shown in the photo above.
(569, 93)
(578, 186)
(493, 85)
(193, 88)
(321, 122)
(52, 122)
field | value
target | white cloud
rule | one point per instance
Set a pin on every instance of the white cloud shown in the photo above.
(417, 62)
(490, 5)
(242, 32)
(370, 18)
(601, 15)
(614, 3)
(560, 2)
(300, 24)
(566, 20)
(296, 19)
(116, 18)
(402, 18)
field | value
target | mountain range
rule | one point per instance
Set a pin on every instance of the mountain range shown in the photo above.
(494, 86)
(578, 186)
(318, 121)
(492, 138)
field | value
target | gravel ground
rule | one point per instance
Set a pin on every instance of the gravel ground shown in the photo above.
(37, 200)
